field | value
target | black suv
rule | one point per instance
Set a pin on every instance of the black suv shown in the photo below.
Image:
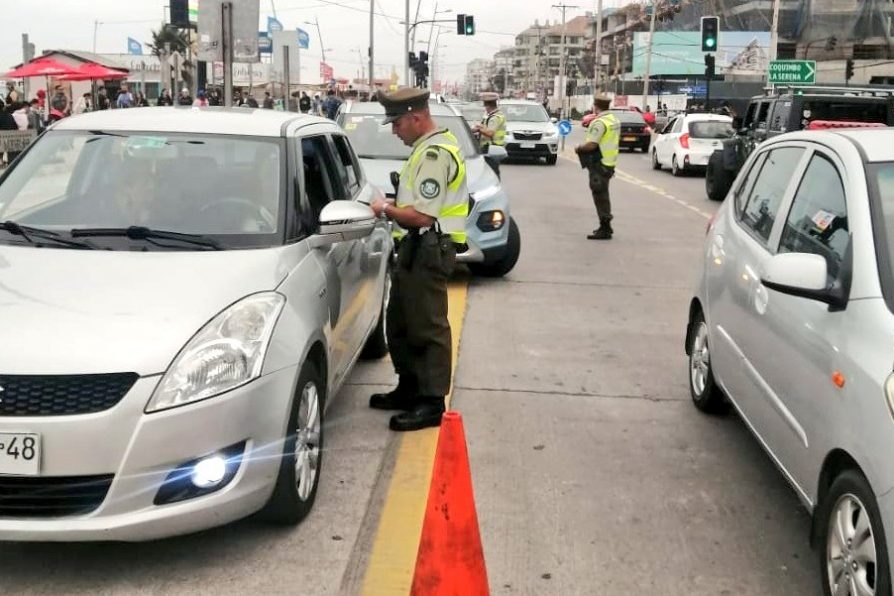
(792, 109)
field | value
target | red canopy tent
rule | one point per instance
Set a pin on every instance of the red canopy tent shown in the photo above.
(93, 71)
(40, 67)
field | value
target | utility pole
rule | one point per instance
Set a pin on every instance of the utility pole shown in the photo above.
(407, 46)
(597, 71)
(95, 27)
(563, 8)
(649, 54)
(774, 31)
(372, 33)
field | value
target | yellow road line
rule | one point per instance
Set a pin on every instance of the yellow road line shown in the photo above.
(393, 556)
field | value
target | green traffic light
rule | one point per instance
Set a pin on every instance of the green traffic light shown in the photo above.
(710, 42)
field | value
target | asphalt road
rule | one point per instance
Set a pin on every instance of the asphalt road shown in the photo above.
(593, 474)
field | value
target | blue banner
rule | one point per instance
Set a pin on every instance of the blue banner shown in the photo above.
(273, 25)
(265, 43)
(134, 47)
(303, 39)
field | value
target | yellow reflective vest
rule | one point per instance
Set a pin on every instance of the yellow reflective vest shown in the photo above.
(610, 140)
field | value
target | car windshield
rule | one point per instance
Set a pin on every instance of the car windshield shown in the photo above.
(711, 130)
(373, 140)
(884, 178)
(220, 186)
(628, 116)
(524, 112)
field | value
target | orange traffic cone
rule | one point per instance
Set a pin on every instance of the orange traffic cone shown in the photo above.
(450, 561)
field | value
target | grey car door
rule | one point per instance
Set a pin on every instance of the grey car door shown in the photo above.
(367, 257)
(804, 334)
(747, 248)
(340, 261)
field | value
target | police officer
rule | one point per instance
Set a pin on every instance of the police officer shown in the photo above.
(492, 129)
(431, 205)
(600, 152)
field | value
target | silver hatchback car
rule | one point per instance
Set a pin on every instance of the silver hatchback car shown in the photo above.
(793, 320)
(181, 291)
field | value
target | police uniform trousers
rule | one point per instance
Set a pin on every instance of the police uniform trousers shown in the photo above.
(417, 326)
(599, 178)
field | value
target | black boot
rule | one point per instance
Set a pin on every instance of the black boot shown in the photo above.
(604, 232)
(402, 397)
(427, 413)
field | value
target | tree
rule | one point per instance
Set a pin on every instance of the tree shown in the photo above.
(178, 41)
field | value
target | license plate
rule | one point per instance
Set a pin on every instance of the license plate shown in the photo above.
(628, 139)
(20, 454)
(528, 145)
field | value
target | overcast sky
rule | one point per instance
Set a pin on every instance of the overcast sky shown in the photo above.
(344, 25)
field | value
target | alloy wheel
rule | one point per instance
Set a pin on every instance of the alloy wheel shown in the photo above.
(700, 360)
(851, 560)
(307, 440)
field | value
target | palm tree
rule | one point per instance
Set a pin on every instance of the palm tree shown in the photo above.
(178, 41)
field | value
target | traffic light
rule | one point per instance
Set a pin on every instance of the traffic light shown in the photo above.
(830, 43)
(465, 24)
(180, 13)
(709, 66)
(413, 60)
(710, 28)
(848, 69)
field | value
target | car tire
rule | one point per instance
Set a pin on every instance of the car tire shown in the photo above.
(847, 501)
(377, 343)
(504, 265)
(718, 179)
(294, 493)
(551, 160)
(706, 395)
(676, 170)
(656, 165)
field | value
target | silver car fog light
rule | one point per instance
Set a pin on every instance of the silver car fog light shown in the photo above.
(490, 221)
(226, 353)
(209, 471)
(202, 476)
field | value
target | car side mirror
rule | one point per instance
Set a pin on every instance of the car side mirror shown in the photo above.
(737, 122)
(343, 220)
(497, 152)
(805, 275)
(553, 120)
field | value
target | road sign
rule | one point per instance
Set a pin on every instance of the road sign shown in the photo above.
(800, 72)
(564, 128)
(245, 30)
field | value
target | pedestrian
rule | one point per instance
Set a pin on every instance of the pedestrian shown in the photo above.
(41, 98)
(492, 129)
(8, 122)
(316, 105)
(59, 102)
(185, 98)
(330, 105)
(34, 120)
(600, 154)
(125, 98)
(431, 205)
(84, 104)
(20, 115)
(140, 100)
(214, 98)
(201, 101)
(12, 96)
(251, 102)
(237, 98)
(304, 103)
(268, 101)
(102, 99)
(649, 116)
(165, 98)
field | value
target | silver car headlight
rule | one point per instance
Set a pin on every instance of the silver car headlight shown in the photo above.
(553, 136)
(226, 353)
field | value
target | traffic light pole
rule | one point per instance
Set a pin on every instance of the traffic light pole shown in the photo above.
(648, 72)
(708, 77)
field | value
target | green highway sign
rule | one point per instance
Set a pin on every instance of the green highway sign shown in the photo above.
(801, 72)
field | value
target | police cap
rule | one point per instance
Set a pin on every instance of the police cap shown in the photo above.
(403, 101)
(489, 97)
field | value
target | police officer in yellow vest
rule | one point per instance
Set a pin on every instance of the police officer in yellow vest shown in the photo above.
(492, 129)
(600, 150)
(431, 205)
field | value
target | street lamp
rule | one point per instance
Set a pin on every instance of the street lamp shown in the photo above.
(316, 23)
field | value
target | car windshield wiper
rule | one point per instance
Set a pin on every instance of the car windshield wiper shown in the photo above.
(29, 234)
(141, 233)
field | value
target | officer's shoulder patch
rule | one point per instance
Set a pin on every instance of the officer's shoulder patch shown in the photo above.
(430, 188)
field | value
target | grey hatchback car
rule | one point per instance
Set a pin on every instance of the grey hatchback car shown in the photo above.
(793, 322)
(183, 290)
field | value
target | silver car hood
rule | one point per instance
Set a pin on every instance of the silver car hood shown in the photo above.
(479, 175)
(541, 127)
(77, 312)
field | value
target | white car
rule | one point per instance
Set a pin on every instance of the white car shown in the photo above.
(688, 141)
(183, 291)
(530, 132)
(793, 321)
